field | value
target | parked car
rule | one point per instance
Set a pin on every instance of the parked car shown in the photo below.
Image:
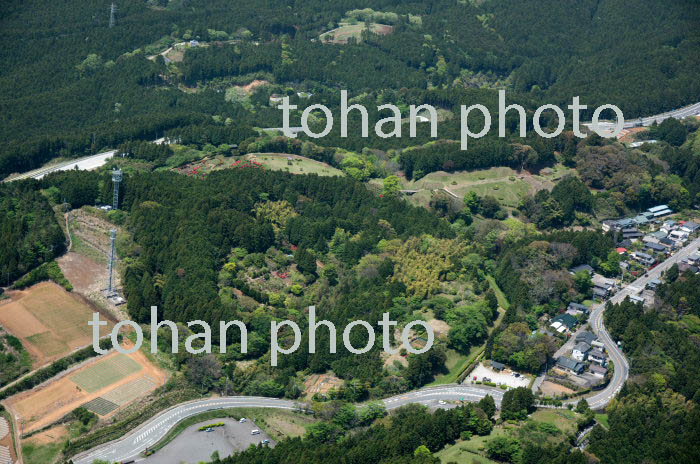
(255, 432)
(242, 420)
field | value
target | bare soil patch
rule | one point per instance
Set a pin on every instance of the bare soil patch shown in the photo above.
(254, 85)
(50, 402)
(554, 389)
(49, 321)
(322, 384)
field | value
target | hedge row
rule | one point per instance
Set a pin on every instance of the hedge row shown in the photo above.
(53, 369)
(121, 428)
(47, 271)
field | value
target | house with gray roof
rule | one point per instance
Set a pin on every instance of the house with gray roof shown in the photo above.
(570, 365)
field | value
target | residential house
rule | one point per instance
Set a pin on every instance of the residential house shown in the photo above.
(598, 356)
(656, 247)
(570, 365)
(678, 236)
(641, 220)
(603, 287)
(598, 371)
(668, 243)
(653, 284)
(580, 351)
(564, 322)
(586, 337)
(690, 227)
(631, 233)
(644, 258)
(693, 258)
(582, 267)
(659, 211)
(497, 366)
(636, 299)
(577, 308)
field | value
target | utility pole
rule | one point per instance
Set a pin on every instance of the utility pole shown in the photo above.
(112, 15)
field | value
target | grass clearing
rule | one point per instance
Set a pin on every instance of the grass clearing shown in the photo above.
(342, 34)
(456, 363)
(564, 420)
(500, 296)
(35, 453)
(105, 373)
(295, 165)
(603, 420)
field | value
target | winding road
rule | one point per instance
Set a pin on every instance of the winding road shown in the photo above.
(131, 445)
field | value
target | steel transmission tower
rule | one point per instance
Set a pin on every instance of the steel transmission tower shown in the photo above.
(112, 15)
(116, 180)
(112, 260)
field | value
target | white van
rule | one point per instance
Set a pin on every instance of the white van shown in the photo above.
(255, 432)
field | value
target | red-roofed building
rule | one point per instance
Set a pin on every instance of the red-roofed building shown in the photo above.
(622, 250)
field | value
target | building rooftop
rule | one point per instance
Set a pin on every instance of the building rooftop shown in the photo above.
(583, 347)
(582, 267)
(587, 337)
(657, 208)
(565, 319)
(569, 363)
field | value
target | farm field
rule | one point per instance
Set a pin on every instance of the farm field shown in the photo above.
(49, 321)
(103, 385)
(342, 34)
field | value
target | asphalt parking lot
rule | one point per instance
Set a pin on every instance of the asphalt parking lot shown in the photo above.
(193, 446)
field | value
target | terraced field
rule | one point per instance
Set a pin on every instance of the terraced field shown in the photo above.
(105, 373)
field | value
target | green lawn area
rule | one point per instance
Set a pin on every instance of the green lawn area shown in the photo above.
(501, 182)
(41, 454)
(500, 296)
(473, 449)
(564, 420)
(456, 363)
(603, 420)
(300, 165)
(507, 192)
(445, 179)
(345, 31)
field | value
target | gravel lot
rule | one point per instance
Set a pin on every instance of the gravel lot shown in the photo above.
(193, 446)
(501, 378)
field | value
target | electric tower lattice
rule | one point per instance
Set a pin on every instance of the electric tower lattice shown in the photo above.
(116, 179)
(112, 259)
(112, 15)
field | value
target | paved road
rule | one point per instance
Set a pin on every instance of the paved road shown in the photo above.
(690, 110)
(84, 164)
(595, 320)
(621, 373)
(130, 446)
